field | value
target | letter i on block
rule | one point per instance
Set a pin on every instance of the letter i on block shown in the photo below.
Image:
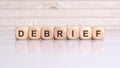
(47, 33)
(34, 33)
(98, 33)
(59, 33)
(21, 33)
(72, 33)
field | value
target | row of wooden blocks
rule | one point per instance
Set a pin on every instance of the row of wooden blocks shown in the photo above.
(59, 33)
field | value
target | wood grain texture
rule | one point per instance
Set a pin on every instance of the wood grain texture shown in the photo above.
(35, 5)
(60, 12)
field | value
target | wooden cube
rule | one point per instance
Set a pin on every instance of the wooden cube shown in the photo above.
(47, 33)
(59, 33)
(85, 33)
(34, 33)
(21, 33)
(72, 33)
(97, 33)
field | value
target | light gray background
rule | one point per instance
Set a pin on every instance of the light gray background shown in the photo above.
(60, 53)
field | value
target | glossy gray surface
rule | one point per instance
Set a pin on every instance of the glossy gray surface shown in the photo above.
(59, 53)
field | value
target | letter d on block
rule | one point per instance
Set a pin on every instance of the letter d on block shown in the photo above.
(21, 33)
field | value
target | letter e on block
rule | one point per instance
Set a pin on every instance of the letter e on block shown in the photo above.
(34, 33)
(85, 33)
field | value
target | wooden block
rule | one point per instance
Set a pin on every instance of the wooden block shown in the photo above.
(21, 33)
(72, 33)
(59, 33)
(85, 33)
(47, 33)
(98, 33)
(34, 33)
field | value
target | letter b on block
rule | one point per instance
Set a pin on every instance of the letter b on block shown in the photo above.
(47, 33)
(21, 33)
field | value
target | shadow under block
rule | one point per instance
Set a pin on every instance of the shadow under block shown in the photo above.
(72, 33)
(34, 33)
(59, 33)
(85, 33)
(97, 33)
(21, 33)
(47, 33)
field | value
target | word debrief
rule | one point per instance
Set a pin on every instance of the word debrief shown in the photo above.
(59, 33)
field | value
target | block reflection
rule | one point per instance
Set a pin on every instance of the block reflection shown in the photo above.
(55, 47)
